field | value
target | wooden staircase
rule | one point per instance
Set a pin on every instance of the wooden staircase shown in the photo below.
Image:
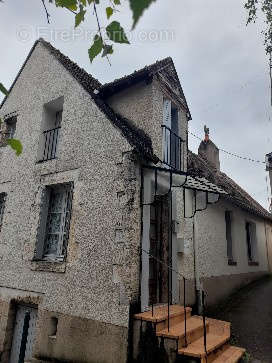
(218, 349)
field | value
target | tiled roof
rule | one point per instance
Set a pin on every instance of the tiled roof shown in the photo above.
(147, 73)
(123, 82)
(199, 166)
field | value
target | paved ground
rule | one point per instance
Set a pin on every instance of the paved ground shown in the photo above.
(250, 312)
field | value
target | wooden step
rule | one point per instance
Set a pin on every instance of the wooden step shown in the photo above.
(194, 331)
(196, 349)
(178, 330)
(230, 355)
(160, 313)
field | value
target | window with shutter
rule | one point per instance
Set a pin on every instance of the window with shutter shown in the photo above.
(171, 139)
(55, 222)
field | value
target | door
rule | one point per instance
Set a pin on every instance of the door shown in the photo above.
(160, 250)
(23, 334)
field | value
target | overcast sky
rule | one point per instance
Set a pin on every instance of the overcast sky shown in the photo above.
(221, 64)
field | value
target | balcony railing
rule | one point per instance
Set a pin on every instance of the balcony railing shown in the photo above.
(50, 142)
(172, 146)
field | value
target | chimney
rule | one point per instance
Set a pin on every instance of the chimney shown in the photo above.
(209, 151)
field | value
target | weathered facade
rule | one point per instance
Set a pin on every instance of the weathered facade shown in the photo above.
(79, 210)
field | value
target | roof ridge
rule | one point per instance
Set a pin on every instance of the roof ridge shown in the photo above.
(139, 71)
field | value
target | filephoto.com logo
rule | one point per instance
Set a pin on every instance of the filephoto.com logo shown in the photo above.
(26, 33)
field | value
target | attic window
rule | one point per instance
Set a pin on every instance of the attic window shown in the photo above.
(51, 126)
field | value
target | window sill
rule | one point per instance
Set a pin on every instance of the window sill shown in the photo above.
(48, 266)
(232, 263)
(253, 263)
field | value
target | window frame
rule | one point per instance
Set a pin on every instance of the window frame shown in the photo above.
(3, 197)
(63, 233)
(171, 137)
(251, 240)
(229, 235)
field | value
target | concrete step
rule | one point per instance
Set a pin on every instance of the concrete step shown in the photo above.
(197, 350)
(194, 330)
(230, 355)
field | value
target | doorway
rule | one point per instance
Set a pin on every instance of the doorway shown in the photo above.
(160, 250)
(23, 334)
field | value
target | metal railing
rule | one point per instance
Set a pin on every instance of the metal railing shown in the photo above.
(172, 147)
(204, 324)
(170, 292)
(50, 139)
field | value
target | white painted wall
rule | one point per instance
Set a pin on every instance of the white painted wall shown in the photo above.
(212, 245)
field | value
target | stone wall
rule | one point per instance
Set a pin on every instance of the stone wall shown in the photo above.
(100, 277)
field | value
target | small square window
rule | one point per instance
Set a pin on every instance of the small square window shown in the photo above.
(8, 130)
(11, 127)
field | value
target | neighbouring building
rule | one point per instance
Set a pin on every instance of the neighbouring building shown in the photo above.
(106, 214)
(233, 236)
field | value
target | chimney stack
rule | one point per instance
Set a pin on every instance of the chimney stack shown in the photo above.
(208, 150)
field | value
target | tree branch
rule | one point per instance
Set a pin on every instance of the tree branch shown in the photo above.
(46, 12)
(99, 29)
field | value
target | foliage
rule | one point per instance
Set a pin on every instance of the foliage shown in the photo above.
(255, 6)
(114, 31)
(15, 145)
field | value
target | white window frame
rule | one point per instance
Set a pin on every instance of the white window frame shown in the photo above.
(63, 234)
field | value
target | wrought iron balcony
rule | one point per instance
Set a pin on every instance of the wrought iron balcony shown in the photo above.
(172, 146)
(50, 142)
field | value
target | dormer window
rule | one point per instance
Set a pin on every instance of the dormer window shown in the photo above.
(171, 139)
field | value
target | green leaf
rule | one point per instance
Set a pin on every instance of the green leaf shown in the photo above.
(117, 2)
(83, 2)
(80, 16)
(138, 7)
(109, 12)
(3, 89)
(96, 48)
(15, 145)
(69, 4)
(107, 49)
(116, 33)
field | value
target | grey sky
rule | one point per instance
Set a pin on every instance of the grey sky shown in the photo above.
(221, 64)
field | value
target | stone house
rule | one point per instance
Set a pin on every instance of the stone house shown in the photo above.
(101, 215)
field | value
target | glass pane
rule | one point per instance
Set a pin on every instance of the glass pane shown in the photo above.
(51, 244)
(56, 202)
(54, 223)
